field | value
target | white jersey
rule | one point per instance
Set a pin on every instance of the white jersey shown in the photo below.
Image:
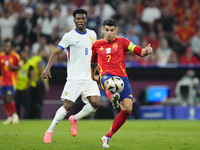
(78, 46)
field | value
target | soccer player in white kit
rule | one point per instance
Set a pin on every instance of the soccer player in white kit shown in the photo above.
(77, 43)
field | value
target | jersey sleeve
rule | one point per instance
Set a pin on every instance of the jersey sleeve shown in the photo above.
(65, 42)
(132, 48)
(17, 59)
(94, 55)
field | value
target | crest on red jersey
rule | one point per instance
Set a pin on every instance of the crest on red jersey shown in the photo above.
(108, 50)
(115, 45)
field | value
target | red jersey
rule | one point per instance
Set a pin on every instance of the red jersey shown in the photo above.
(8, 76)
(111, 56)
(193, 60)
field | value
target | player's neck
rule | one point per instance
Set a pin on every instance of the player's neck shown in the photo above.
(81, 30)
(106, 40)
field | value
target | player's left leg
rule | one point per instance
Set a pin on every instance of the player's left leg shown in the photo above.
(126, 109)
(91, 97)
(85, 111)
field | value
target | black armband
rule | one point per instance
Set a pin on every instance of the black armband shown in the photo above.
(93, 65)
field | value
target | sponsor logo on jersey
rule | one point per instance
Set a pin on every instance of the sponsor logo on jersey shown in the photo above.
(115, 45)
(108, 50)
(101, 49)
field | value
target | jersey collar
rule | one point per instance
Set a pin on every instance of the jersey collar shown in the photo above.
(80, 32)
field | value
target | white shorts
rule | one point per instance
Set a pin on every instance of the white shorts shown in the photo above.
(74, 88)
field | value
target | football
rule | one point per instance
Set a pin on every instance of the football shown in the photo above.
(115, 84)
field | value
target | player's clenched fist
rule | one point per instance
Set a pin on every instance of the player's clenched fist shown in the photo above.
(46, 75)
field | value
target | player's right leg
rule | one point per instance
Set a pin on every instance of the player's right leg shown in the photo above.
(7, 105)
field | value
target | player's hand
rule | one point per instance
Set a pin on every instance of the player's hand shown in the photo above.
(46, 75)
(96, 78)
(147, 50)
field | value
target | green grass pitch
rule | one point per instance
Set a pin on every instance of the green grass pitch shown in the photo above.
(134, 135)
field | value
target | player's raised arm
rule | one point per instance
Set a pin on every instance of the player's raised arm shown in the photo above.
(54, 56)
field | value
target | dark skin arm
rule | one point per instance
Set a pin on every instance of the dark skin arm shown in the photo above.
(93, 72)
(54, 56)
(15, 68)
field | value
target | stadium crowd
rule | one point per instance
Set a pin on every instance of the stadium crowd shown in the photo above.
(172, 27)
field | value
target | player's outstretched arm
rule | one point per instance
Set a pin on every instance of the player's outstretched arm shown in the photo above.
(54, 56)
(146, 51)
(93, 72)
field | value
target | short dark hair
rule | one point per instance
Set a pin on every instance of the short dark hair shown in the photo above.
(110, 22)
(79, 11)
(7, 41)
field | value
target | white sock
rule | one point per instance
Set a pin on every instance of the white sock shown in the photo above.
(60, 115)
(86, 111)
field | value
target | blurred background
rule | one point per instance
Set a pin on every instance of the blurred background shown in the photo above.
(165, 85)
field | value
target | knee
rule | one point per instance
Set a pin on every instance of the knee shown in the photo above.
(128, 109)
(68, 105)
(127, 105)
(95, 102)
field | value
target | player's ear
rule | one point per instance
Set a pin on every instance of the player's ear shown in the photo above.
(103, 29)
(115, 30)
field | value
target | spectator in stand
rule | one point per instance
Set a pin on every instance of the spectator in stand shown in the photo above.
(58, 3)
(129, 61)
(7, 24)
(25, 26)
(138, 8)
(173, 59)
(41, 44)
(195, 44)
(61, 22)
(152, 39)
(163, 52)
(132, 36)
(189, 58)
(150, 14)
(46, 26)
(93, 21)
(70, 18)
(104, 10)
(167, 20)
(120, 31)
(195, 8)
(86, 4)
(183, 33)
(135, 22)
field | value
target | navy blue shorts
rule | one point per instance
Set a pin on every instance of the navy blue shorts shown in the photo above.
(126, 93)
(7, 90)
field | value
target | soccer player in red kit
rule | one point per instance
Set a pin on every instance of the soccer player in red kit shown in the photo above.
(109, 53)
(9, 64)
